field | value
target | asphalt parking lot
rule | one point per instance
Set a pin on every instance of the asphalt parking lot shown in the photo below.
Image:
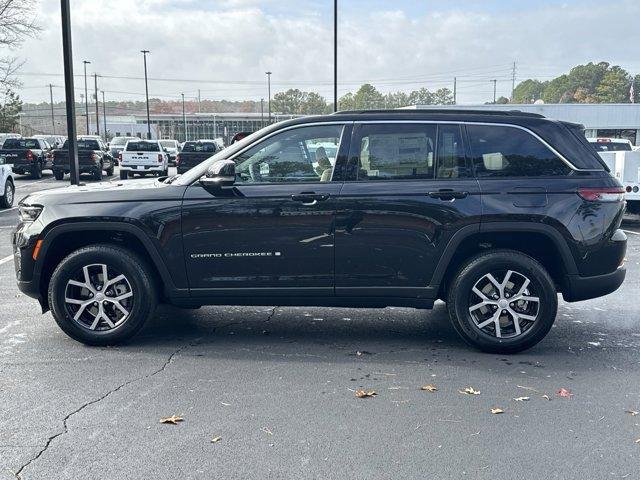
(277, 385)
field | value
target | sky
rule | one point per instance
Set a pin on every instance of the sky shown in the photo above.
(224, 47)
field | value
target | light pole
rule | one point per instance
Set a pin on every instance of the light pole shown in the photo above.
(146, 89)
(494, 90)
(67, 52)
(335, 55)
(86, 95)
(269, 91)
(104, 116)
(95, 93)
(262, 113)
(184, 120)
(53, 117)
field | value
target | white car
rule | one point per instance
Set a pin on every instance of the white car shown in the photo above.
(605, 144)
(143, 157)
(7, 184)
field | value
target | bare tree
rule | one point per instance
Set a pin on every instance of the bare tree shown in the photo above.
(17, 21)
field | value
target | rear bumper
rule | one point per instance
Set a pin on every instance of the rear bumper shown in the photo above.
(142, 168)
(81, 168)
(579, 288)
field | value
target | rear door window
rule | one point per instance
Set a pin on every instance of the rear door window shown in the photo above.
(503, 151)
(143, 147)
(21, 143)
(206, 147)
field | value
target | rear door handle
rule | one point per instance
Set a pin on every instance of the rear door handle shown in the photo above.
(309, 198)
(448, 194)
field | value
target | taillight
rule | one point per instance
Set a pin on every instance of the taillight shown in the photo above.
(602, 194)
(178, 159)
(29, 155)
(94, 156)
(160, 158)
(120, 156)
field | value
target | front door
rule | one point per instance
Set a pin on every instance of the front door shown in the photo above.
(272, 233)
(409, 189)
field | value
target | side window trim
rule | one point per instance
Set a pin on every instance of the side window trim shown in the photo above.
(468, 159)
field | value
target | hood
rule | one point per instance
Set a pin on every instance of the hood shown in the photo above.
(115, 191)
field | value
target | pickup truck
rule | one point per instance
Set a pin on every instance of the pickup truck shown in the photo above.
(93, 158)
(142, 157)
(194, 153)
(172, 148)
(29, 156)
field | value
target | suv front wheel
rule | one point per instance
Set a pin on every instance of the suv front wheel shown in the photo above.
(502, 302)
(101, 295)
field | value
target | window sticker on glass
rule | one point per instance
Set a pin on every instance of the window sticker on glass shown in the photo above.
(264, 169)
(395, 151)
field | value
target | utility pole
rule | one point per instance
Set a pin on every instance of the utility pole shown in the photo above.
(53, 117)
(513, 81)
(95, 87)
(494, 90)
(262, 113)
(67, 52)
(335, 55)
(455, 90)
(86, 95)
(184, 120)
(146, 89)
(199, 101)
(104, 117)
(269, 90)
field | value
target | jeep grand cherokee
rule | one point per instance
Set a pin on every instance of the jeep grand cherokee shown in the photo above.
(494, 213)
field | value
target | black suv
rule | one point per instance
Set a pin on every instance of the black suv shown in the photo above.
(493, 213)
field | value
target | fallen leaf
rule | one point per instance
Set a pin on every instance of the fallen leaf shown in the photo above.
(522, 399)
(266, 430)
(497, 411)
(469, 391)
(563, 392)
(546, 397)
(216, 439)
(527, 388)
(365, 394)
(638, 440)
(633, 413)
(173, 419)
(429, 388)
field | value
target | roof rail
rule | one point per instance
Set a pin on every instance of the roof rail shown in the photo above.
(450, 111)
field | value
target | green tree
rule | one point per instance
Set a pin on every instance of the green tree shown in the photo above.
(297, 102)
(347, 102)
(528, 91)
(421, 97)
(443, 96)
(502, 100)
(315, 104)
(10, 107)
(396, 100)
(368, 98)
(614, 87)
(558, 90)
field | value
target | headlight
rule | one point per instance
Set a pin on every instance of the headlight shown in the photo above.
(28, 213)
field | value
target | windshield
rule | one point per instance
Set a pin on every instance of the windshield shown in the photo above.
(19, 143)
(143, 147)
(168, 143)
(198, 171)
(612, 146)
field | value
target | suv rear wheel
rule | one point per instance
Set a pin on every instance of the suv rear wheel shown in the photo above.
(6, 200)
(502, 302)
(101, 295)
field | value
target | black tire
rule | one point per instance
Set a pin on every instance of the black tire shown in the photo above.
(36, 171)
(97, 174)
(461, 297)
(124, 174)
(6, 200)
(110, 170)
(119, 261)
(58, 174)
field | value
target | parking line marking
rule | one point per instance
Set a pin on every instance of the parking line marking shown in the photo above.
(8, 210)
(31, 183)
(6, 259)
(629, 231)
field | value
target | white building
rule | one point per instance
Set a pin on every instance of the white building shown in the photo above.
(620, 120)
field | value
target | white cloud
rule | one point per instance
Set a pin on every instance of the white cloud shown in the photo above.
(238, 40)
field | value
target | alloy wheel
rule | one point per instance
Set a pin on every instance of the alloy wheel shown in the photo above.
(99, 298)
(504, 304)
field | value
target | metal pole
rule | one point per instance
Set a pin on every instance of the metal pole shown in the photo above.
(199, 100)
(146, 89)
(53, 117)
(269, 90)
(335, 55)
(184, 120)
(86, 95)
(513, 81)
(95, 90)
(104, 117)
(262, 113)
(69, 91)
(455, 90)
(494, 90)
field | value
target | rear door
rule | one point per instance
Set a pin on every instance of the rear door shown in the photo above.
(409, 190)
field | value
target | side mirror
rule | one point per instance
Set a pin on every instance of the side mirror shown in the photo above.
(221, 174)
(3, 161)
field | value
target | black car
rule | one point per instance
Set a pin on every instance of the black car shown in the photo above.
(29, 156)
(493, 213)
(93, 158)
(194, 153)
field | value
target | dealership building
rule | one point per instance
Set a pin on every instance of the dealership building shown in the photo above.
(620, 120)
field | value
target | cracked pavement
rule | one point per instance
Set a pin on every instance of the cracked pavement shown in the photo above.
(277, 384)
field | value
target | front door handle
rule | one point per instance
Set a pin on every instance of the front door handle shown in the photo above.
(309, 198)
(448, 194)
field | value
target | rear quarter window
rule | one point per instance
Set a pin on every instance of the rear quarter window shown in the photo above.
(501, 151)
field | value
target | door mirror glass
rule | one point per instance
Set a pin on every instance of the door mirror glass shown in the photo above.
(221, 174)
